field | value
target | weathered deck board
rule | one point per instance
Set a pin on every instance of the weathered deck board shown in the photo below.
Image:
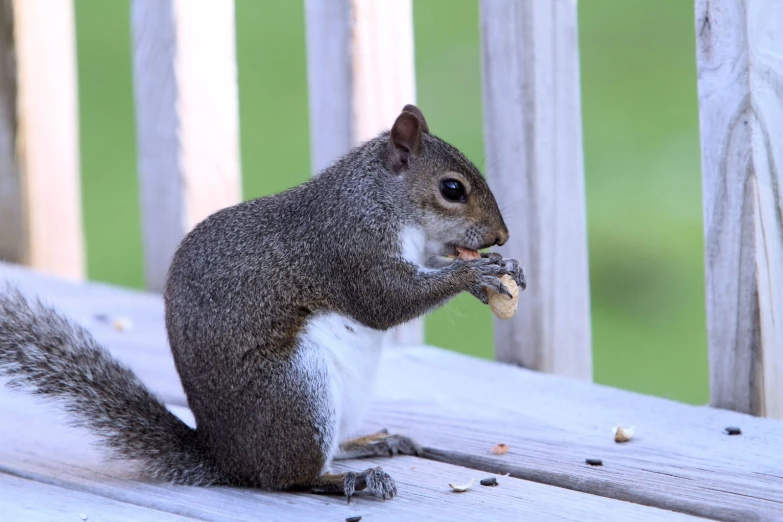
(31, 501)
(38, 446)
(680, 458)
(459, 407)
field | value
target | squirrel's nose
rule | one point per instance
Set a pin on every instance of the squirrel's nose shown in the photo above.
(502, 237)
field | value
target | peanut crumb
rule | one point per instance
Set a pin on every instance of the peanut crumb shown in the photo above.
(500, 449)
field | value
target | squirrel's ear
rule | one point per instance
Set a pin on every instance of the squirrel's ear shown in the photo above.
(404, 140)
(417, 112)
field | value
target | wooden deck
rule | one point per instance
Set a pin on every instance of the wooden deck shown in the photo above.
(680, 465)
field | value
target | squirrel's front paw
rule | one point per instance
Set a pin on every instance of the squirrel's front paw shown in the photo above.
(517, 272)
(485, 272)
(374, 480)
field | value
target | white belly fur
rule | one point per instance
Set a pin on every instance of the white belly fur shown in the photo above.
(349, 353)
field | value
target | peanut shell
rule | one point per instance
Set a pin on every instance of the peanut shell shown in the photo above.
(501, 305)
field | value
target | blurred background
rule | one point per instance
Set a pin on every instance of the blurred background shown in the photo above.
(641, 159)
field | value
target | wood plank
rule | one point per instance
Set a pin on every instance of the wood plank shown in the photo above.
(360, 68)
(533, 140)
(40, 189)
(187, 120)
(459, 407)
(32, 501)
(35, 444)
(679, 459)
(740, 73)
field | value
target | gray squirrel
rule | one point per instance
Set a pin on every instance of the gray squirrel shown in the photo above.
(275, 310)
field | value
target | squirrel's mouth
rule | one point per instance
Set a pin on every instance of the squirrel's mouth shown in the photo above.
(448, 253)
(454, 251)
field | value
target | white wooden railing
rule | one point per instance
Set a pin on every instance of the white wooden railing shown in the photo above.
(361, 72)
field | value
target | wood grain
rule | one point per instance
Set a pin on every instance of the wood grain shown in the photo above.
(360, 68)
(459, 407)
(740, 84)
(40, 189)
(187, 120)
(533, 140)
(31, 501)
(36, 445)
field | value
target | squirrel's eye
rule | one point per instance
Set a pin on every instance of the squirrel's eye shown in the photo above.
(452, 190)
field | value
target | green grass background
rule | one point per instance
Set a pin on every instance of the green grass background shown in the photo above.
(641, 157)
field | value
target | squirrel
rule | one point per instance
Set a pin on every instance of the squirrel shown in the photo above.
(275, 311)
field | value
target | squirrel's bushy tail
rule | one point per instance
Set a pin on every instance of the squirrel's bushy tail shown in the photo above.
(44, 353)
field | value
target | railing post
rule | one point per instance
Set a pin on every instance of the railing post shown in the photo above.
(533, 137)
(187, 120)
(739, 47)
(40, 191)
(360, 75)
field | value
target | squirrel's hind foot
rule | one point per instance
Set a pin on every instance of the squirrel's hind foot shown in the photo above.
(376, 481)
(373, 480)
(378, 444)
